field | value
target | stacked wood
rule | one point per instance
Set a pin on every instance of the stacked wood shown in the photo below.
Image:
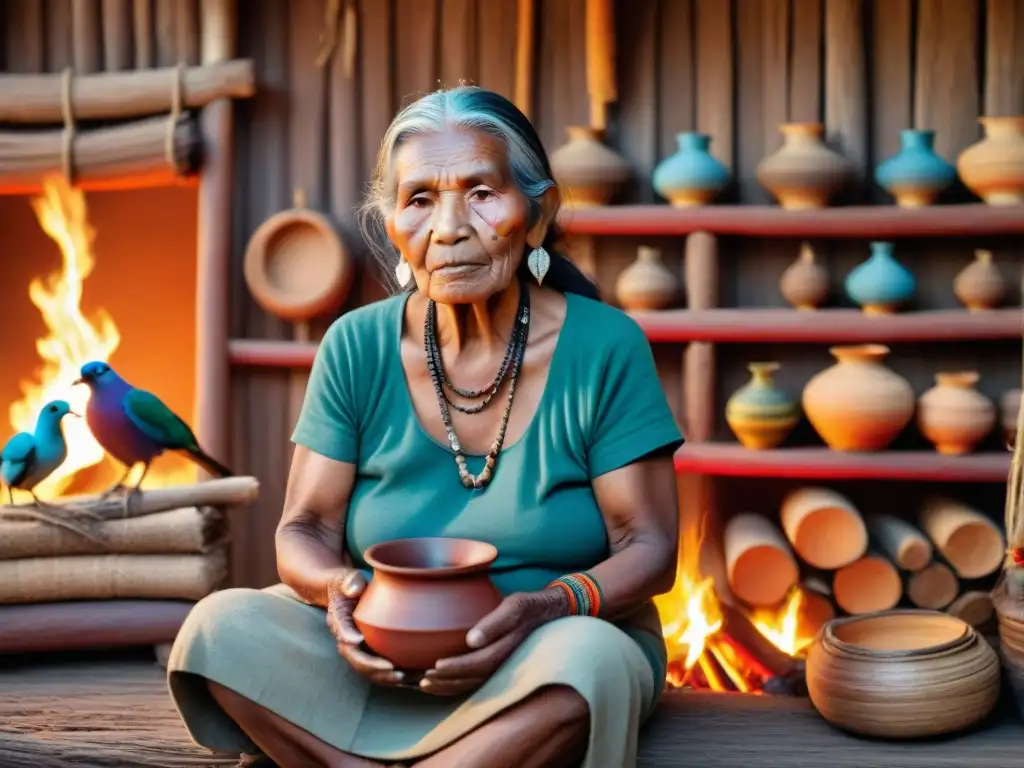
(165, 544)
(759, 562)
(968, 540)
(825, 528)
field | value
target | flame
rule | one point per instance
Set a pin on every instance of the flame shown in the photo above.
(781, 627)
(71, 339)
(692, 621)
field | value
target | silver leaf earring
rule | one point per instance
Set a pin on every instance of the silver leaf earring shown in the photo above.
(403, 273)
(538, 262)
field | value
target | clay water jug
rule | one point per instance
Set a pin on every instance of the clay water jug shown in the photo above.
(647, 283)
(425, 595)
(858, 404)
(804, 284)
(586, 168)
(880, 284)
(691, 176)
(980, 285)
(993, 168)
(915, 175)
(759, 413)
(953, 415)
(804, 173)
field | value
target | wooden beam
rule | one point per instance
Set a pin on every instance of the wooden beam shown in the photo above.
(852, 222)
(733, 460)
(213, 251)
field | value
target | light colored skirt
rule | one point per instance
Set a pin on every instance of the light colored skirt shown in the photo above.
(277, 651)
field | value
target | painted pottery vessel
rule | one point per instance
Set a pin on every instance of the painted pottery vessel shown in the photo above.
(646, 284)
(425, 595)
(1009, 408)
(880, 284)
(980, 285)
(691, 176)
(587, 169)
(804, 173)
(759, 413)
(993, 169)
(953, 414)
(804, 284)
(858, 404)
(902, 674)
(915, 175)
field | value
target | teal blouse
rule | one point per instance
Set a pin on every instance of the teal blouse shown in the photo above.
(602, 408)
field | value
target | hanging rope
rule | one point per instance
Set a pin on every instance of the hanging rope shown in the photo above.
(68, 136)
(177, 103)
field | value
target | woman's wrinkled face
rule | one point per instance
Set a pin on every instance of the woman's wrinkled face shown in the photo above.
(459, 220)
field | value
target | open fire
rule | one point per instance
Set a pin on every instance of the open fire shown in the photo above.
(720, 647)
(72, 339)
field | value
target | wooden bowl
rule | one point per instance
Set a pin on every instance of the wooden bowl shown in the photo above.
(902, 674)
(425, 595)
(296, 265)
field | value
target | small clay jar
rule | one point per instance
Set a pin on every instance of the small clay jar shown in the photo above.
(804, 284)
(993, 168)
(425, 595)
(858, 404)
(759, 413)
(587, 169)
(980, 285)
(1009, 409)
(953, 415)
(646, 284)
(804, 173)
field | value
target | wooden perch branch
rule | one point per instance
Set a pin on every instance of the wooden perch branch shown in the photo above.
(226, 492)
(126, 156)
(118, 95)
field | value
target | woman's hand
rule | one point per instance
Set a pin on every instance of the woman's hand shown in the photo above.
(493, 640)
(343, 593)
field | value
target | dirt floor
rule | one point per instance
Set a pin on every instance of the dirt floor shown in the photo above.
(114, 712)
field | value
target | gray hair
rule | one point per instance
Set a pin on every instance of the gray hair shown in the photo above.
(467, 108)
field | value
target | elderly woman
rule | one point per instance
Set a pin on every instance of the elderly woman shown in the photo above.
(493, 398)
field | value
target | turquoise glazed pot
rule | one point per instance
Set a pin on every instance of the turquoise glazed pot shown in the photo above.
(915, 175)
(691, 176)
(881, 283)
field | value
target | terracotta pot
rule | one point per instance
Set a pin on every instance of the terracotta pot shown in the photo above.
(646, 284)
(902, 674)
(993, 168)
(587, 169)
(804, 173)
(953, 414)
(858, 404)
(760, 414)
(1009, 408)
(880, 284)
(916, 174)
(691, 176)
(425, 595)
(980, 285)
(804, 284)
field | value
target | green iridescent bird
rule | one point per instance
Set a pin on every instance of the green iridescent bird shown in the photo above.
(135, 427)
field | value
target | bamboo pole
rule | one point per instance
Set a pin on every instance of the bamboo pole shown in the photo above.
(142, 28)
(38, 99)
(524, 57)
(86, 36)
(213, 253)
(117, 35)
(600, 36)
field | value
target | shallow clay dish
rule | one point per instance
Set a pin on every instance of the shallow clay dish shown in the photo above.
(902, 674)
(426, 594)
(296, 266)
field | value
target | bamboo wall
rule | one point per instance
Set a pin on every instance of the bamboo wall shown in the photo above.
(732, 68)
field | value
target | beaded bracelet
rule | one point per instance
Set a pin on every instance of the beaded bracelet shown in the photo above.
(583, 591)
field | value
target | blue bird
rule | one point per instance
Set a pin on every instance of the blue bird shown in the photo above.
(135, 427)
(27, 459)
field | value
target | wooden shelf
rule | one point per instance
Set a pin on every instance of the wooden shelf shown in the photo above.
(733, 460)
(838, 326)
(875, 222)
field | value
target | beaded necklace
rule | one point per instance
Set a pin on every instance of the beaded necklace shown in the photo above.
(435, 365)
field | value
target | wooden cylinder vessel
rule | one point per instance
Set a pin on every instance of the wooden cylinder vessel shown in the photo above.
(824, 527)
(759, 562)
